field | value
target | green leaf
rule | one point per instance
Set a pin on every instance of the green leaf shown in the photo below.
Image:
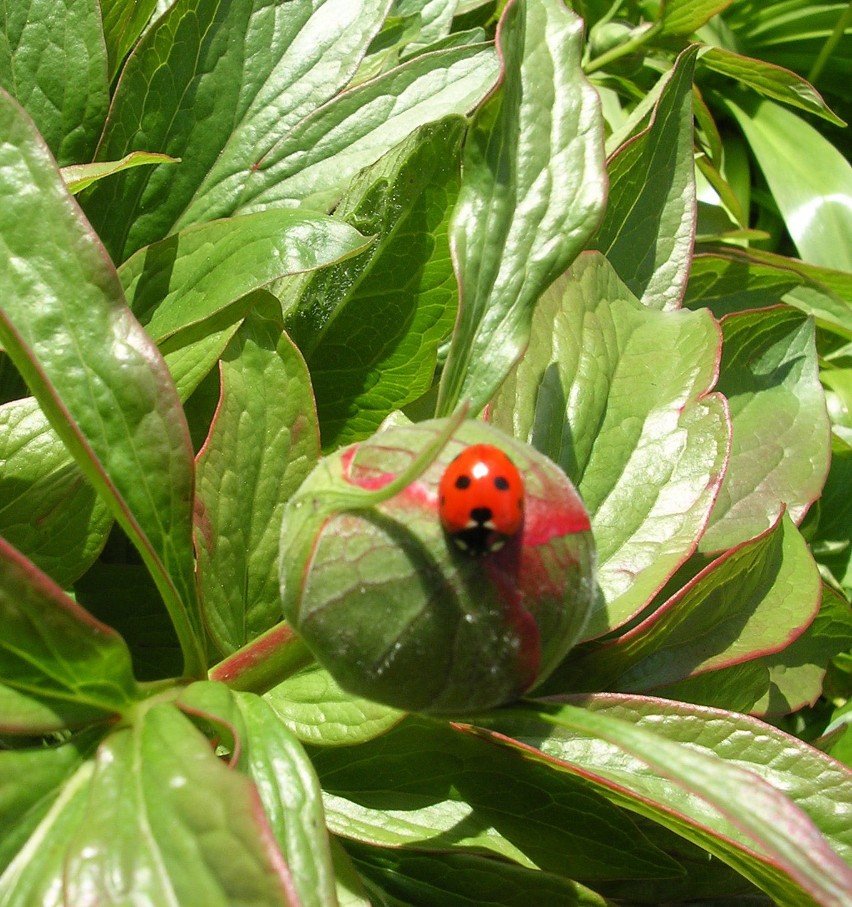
(123, 23)
(816, 783)
(783, 682)
(313, 164)
(168, 821)
(731, 810)
(246, 96)
(648, 465)
(467, 880)
(313, 706)
(263, 442)
(266, 752)
(59, 667)
(80, 176)
(48, 510)
(35, 875)
(53, 61)
(683, 17)
(532, 193)
(647, 233)
(196, 274)
(780, 445)
(30, 781)
(810, 180)
(95, 372)
(292, 800)
(370, 328)
(453, 789)
(772, 81)
(754, 600)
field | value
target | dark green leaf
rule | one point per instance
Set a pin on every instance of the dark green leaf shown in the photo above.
(467, 880)
(370, 328)
(48, 510)
(452, 790)
(647, 233)
(683, 17)
(59, 667)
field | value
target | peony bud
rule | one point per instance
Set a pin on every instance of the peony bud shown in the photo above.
(397, 613)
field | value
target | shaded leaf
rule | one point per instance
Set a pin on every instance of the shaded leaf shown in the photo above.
(48, 510)
(727, 809)
(467, 880)
(780, 444)
(452, 790)
(648, 465)
(683, 17)
(59, 667)
(370, 327)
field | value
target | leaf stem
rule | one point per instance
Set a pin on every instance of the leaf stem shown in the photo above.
(623, 50)
(264, 662)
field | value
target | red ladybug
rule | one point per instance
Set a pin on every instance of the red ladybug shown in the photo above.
(481, 499)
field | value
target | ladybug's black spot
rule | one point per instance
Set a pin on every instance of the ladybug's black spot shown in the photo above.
(501, 483)
(463, 482)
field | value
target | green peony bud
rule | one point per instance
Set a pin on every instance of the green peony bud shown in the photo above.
(397, 613)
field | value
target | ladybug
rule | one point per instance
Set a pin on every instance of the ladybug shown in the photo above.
(481, 499)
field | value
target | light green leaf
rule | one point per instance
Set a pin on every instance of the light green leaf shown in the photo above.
(312, 705)
(648, 465)
(173, 824)
(53, 61)
(780, 444)
(532, 193)
(772, 81)
(262, 444)
(193, 275)
(729, 810)
(810, 180)
(648, 231)
(79, 176)
(94, 370)
(59, 667)
(683, 17)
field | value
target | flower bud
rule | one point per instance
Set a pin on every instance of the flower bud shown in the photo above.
(396, 612)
